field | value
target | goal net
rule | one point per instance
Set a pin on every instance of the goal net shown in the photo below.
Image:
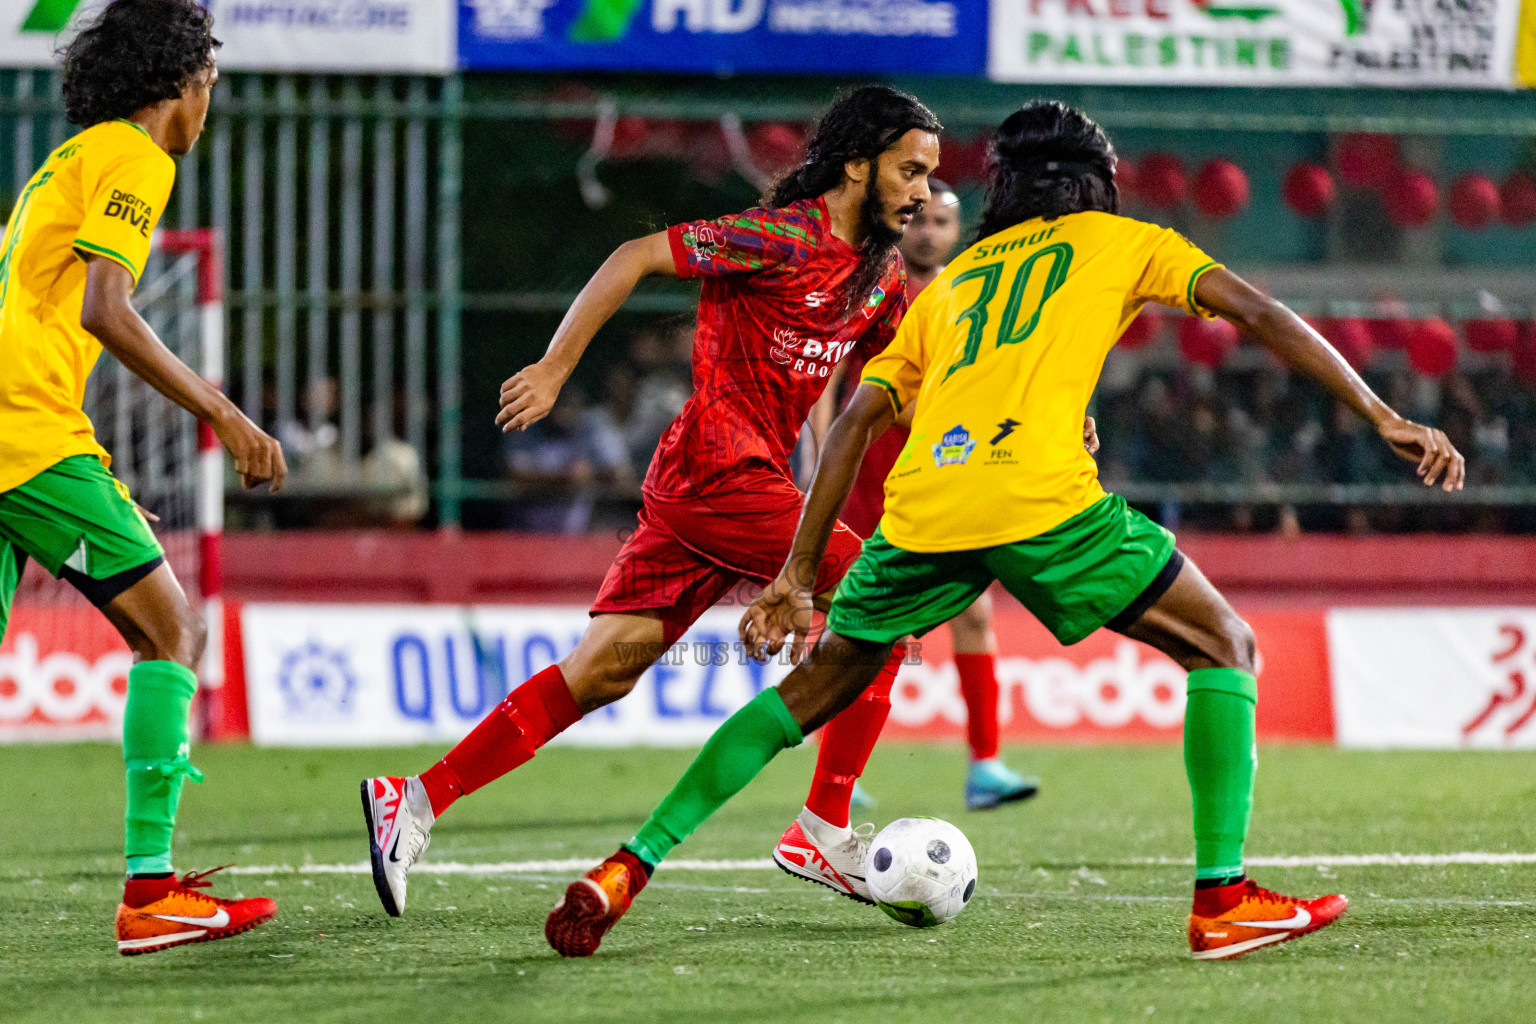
(63, 668)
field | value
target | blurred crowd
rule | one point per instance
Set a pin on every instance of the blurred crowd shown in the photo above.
(1160, 421)
(1261, 424)
(580, 468)
(1192, 446)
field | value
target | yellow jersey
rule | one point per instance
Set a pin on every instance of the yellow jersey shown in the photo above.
(1001, 354)
(99, 194)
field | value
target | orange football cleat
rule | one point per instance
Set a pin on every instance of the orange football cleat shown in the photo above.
(171, 912)
(593, 904)
(1254, 917)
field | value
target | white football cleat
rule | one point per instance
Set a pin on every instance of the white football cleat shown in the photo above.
(399, 817)
(825, 854)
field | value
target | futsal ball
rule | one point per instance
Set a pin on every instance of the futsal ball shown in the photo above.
(921, 871)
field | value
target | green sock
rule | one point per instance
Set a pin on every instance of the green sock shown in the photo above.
(738, 750)
(1220, 758)
(155, 752)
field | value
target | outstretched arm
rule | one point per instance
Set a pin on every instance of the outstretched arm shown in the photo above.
(108, 313)
(528, 395)
(1285, 334)
(785, 606)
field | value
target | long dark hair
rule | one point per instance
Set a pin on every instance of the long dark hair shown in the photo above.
(861, 124)
(136, 52)
(1048, 160)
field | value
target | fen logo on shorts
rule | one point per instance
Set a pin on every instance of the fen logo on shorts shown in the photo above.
(954, 447)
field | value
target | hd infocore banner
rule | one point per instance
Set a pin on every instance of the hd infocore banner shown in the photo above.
(724, 36)
(399, 36)
(1413, 43)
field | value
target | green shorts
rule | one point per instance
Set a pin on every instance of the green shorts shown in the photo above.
(77, 520)
(1103, 567)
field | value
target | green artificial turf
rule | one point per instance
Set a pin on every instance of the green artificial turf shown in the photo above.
(1069, 922)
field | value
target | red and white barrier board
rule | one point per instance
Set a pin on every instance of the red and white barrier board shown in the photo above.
(338, 674)
(63, 675)
(1434, 677)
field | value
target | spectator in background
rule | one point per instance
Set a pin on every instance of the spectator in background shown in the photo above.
(662, 383)
(561, 463)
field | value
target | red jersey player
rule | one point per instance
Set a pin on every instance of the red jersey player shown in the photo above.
(926, 247)
(789, 290)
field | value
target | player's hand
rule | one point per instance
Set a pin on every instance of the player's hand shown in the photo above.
(1437, 458)
(1090, 435)
(782, 609)
(257, 456)
(528, 395)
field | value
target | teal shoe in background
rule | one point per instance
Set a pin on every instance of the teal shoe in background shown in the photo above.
(991, 783)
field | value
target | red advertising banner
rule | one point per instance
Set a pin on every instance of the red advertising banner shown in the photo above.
(63, 674)
(1109, 689)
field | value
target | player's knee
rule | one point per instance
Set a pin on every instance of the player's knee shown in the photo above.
(1236, 645)
(182, 640)
(595, 686)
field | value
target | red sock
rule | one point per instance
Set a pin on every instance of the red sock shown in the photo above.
(1215, 900)
(846, 743)
(141, 892)
(531, 716)
(978, 685)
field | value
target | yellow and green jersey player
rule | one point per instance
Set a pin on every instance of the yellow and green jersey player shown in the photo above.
(137, 80)
(1001, 355)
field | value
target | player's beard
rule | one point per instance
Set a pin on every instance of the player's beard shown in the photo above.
(880, 241)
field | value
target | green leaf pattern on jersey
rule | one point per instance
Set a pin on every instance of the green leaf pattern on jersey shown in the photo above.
(14, 231)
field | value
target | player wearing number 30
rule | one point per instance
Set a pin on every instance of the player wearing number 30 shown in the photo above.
(1000, 355)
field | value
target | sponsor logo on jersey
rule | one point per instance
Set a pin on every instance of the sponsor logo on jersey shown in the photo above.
(129, 207)
(1003, 430)
(806, 355)
(702, 241)
(954, 447)
(815, 300)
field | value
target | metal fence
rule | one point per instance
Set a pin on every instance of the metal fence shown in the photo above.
(339, 202)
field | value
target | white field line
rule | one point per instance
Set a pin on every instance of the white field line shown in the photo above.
(578, 865)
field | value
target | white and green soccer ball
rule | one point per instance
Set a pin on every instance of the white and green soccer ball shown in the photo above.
(921, 871)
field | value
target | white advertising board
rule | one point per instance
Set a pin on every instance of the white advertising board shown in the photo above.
(1438, 677)
(344, 675)
(1414, 43)
(401, 36)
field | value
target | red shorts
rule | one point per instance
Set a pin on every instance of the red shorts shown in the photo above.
(866, 502)
(686, 556)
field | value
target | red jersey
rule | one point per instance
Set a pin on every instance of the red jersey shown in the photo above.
(866, 502)
(771, 328)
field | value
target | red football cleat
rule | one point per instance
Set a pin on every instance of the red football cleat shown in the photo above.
(179, 914)
(593, 904)
(1255, 917)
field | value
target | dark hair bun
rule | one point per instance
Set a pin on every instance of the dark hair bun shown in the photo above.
(1048, 160)
(1051, 130)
